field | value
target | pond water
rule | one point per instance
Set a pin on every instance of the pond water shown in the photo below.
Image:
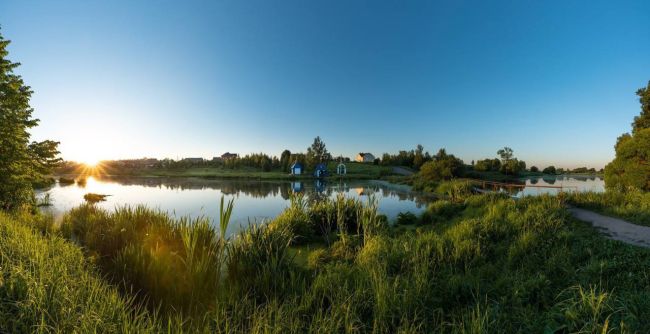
(567, 183)
(255, 201)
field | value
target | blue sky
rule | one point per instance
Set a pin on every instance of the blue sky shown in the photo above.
(554, 80)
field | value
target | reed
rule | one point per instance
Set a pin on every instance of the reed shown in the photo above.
(488, 264)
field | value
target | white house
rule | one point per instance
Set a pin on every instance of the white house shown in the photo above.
(365, 157)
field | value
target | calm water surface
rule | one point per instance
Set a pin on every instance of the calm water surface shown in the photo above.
(553, 184)
(255, 201)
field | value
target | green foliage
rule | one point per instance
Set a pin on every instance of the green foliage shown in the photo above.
(22, 164)
(505, 154)
(412, 159)
(643, 120)
(317, 153)
(534, 169)
(486, 165)
(492, 264)
(285, 160)
(46, 286)
(513, 167)
(630, 168)
(441, 211)
(443, 167)
(456, 190)
(550, 170)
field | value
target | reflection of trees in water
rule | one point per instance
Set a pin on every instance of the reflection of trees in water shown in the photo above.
(534, 181)
(549, 180)
(314, 190)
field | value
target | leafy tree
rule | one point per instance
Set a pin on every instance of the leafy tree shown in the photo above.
(443, 167)
(549, 170)
(630, 168)
(317, 153)
(418, 157)
(643, 120)
(488, 165)
(505, 154)
(513, 167)
(285, 160)
(21, 163)
(534, 169)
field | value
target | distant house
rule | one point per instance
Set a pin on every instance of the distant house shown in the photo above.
(365, 157)
(297, 168)
(341, 169)
(229, 155)
(193, 160)
(320, 170)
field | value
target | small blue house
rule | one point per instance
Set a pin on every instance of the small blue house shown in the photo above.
(296, 168)
(320, 170)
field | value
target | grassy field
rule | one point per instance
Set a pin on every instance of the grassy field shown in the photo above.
(470, 264)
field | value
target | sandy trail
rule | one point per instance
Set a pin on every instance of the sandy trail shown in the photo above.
(615, 228)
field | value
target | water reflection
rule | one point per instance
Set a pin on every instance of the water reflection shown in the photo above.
(255, 200)
(555, 184)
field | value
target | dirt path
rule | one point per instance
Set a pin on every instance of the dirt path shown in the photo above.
(615, 228)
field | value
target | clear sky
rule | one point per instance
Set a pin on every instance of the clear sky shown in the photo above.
(554, 80)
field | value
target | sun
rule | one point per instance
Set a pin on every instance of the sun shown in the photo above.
(90, 162)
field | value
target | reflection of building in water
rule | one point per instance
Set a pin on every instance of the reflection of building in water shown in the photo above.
(320, 185)
(365, 191)
(297, 186)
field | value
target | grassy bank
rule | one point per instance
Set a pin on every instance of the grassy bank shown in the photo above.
(470, 264)
(631, 205)
(47, 285)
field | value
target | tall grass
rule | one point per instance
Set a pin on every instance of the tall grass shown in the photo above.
(631, 204)
(48, 287)
(487, 264)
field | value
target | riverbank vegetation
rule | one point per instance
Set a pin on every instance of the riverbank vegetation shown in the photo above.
(482, 263)
(630, 168)
(23, 164)
(631, 205)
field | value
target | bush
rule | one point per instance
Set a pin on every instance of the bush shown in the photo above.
(456, 190)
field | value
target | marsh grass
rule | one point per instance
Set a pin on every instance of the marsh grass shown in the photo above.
(47, 286)
(488, 264)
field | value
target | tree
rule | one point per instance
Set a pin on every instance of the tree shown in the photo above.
(317, 153)
(630, 167)
(418, 158)
(534, 169)
(549, 170)
(643, 120)
(285, 160)
(443, 167)
(21, 163)
(505, 154)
